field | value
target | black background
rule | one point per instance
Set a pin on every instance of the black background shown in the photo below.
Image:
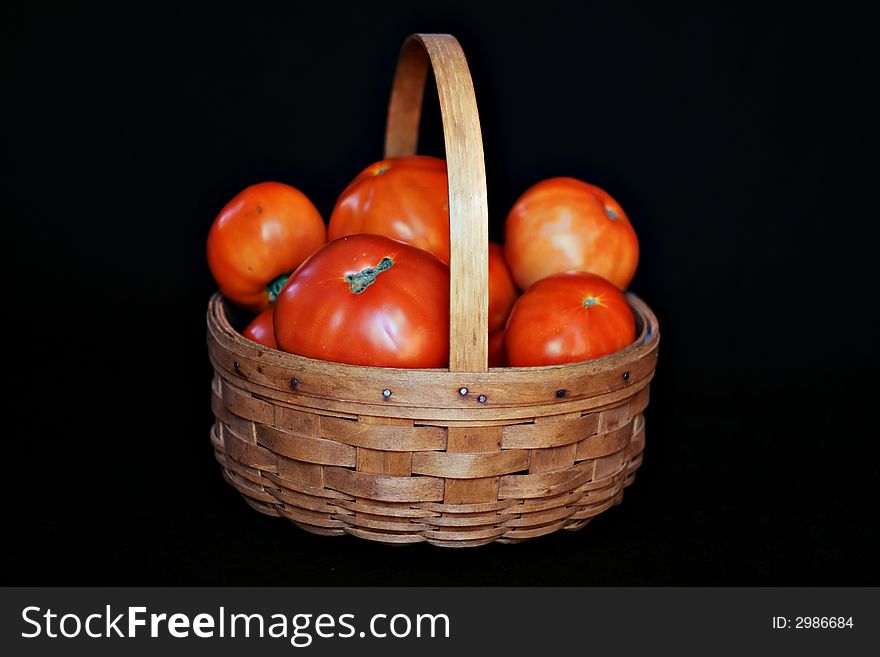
(741, 142)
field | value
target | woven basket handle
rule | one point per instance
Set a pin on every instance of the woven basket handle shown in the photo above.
(468, 211)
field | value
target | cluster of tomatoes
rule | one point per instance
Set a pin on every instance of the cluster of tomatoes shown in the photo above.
(372, 288)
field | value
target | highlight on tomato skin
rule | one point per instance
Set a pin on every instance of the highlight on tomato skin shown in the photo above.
(568, 318)
(261, 330)
(404, 198)
(263, 234)
(367, 300)
(565, 224)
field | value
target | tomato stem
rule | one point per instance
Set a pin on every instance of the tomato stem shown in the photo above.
(274, 288)
(366, 277)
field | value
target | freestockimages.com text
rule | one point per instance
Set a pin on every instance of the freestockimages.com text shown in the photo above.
(300, 629)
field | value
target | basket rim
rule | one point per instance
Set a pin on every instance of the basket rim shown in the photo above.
(430, 395)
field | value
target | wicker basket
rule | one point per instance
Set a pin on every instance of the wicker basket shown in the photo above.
(456, 457)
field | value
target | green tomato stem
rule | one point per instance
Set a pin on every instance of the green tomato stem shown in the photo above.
(366, 277)
(274, 288)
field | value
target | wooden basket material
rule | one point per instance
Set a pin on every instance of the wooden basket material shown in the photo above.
(456, 457)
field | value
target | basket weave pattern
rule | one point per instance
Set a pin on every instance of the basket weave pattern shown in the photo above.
(580, 470)
(525, 462)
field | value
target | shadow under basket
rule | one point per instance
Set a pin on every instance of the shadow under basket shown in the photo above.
(456, 457)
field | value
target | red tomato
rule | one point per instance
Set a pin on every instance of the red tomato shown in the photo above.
(260, 330)
(502, 291)
(563, 224)
(367, 300)
(404, 198)
(568, 318)
(496, 349)
(259, 238)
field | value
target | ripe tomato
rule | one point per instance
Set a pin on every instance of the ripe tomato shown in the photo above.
(404, 198)
(496, 349)
(259, 238)
(367, 300)
(260, 330)
(502, 291)
(568, 318)
(563, 224)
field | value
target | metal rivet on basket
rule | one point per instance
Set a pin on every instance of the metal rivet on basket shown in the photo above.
(560, 394)
(236, 365)
(482, 399)
(294, 383)
(386, 393)
(626, 376)
(463, 392)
